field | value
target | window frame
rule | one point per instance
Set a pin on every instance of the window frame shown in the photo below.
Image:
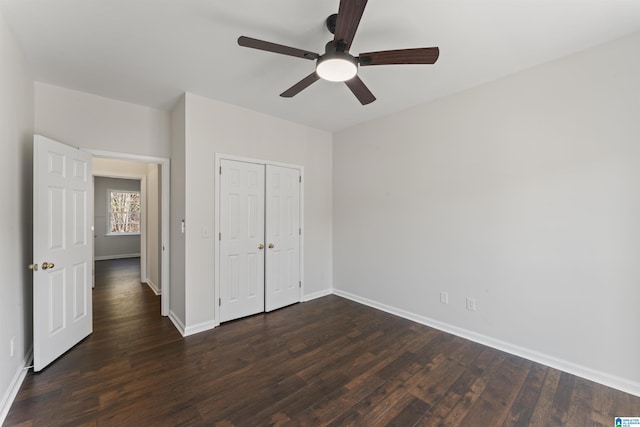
(109, 212)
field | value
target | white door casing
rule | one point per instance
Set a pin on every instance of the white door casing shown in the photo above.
(282, 279)
(241, 239)
(62, 236)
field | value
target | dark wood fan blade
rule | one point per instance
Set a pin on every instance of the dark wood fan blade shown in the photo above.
(276, 48)
(360, 90)
(300, 86)
(425, 55)
(349, 14)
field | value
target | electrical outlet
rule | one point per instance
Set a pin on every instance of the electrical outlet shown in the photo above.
(444, 297)
(13, 346)
(471, 304)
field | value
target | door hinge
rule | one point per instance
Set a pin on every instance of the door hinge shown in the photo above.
(219, 302)
(300, 179)
(299, 231)
(300, 284)
(220, 170)
(219, 236)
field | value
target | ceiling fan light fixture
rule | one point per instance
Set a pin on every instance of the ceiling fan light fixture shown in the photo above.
(337, 67)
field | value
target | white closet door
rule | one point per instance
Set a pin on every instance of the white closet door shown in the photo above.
(241, 240)
(282, 237)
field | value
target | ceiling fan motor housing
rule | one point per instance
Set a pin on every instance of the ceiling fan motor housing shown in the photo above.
(336, 65)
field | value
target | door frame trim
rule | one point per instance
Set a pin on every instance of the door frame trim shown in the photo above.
(165, 171)
(218, 157)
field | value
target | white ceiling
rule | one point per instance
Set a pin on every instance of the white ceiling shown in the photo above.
(149, 52)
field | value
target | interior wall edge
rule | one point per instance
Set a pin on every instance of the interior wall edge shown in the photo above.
(179, 325)
(600, 377)
(154, 288)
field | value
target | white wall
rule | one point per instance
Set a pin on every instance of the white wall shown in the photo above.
(177, 282)
(523, 194)
(89, 121)
(111, 246)
(154, 226)
(214, 127)
(16, 142)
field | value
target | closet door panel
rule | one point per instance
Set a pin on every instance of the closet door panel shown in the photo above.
(282, 280)
(242, 269)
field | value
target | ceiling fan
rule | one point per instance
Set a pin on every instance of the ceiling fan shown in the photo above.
(337, 64)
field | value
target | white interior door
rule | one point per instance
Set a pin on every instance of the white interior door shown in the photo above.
(62, 249)
(282, 285)
(241, 239)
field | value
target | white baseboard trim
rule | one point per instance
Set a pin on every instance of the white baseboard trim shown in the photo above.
(316, 295)
(185, 331)
(154, 287)
(14, 386)
(176, 322)
(603, 378)
(108, 257)
(200, 327)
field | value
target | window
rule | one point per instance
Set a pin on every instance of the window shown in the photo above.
(123, 211)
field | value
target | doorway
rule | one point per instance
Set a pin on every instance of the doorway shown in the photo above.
(162, 197)
(258, 261)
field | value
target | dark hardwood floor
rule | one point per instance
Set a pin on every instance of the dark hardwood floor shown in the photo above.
(325, 362)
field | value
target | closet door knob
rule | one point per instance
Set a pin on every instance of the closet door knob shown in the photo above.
(271, 246)
(260, 246)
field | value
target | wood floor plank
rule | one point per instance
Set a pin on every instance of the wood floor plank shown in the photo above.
(579, 412)
(562, 399)
(454, 404)
(495, 400)
(544, 405)
(410, 413)
(372, 407)
(329, 361)
(522, 409)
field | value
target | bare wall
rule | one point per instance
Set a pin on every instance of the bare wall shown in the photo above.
(16, 142)
(523, 194)
(90, 121)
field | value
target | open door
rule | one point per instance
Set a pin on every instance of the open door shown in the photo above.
(62, 251)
